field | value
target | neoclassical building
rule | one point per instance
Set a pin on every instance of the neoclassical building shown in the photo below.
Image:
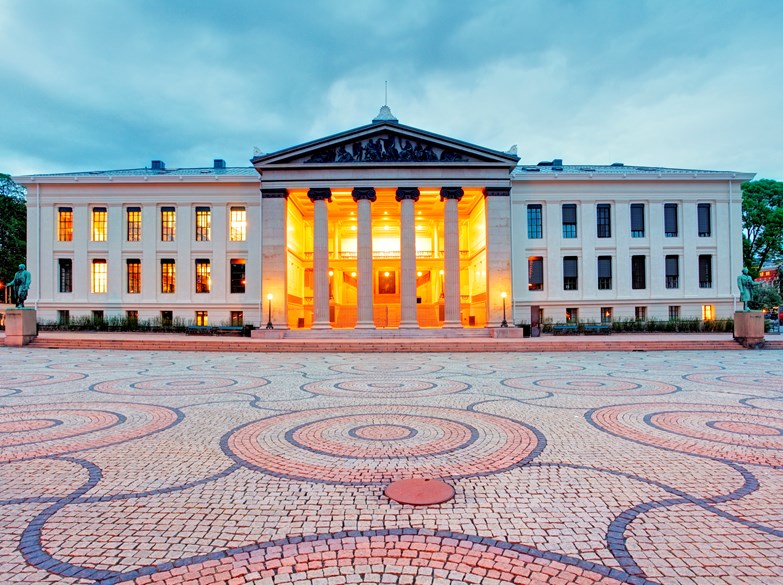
(385, 225)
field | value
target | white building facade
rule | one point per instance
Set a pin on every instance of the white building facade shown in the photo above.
(385, 225)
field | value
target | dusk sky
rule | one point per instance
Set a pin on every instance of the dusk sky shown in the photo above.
(103, 84)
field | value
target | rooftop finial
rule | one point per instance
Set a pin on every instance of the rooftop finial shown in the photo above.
(385, 115)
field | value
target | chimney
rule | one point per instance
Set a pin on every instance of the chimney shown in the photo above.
(219, 163)
(158, 165)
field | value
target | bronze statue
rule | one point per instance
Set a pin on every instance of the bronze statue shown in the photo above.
(20, 286)
(746, 284)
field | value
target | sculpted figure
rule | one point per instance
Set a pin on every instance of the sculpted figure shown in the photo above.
(746, 284)
(343, 155)
(20, 286)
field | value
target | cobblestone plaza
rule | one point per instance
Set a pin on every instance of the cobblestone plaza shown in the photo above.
(184, 467)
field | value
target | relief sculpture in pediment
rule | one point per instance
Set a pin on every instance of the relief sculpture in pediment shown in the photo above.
(388, 148)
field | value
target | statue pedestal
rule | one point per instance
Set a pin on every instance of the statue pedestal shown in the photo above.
(20, 327)
(749, 329)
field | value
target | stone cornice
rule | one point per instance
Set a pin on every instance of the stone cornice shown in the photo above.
(274, 193)
(497, 192)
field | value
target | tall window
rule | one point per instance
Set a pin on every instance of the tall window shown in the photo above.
(237, 318)
(570, 273)
(637, 220)
(202, 318)
(708, 312)
(705, 223)
(66, 275)
(603, 220)
(674, 312)
(99, 277)
(99, 227)
(705, 271)
(640, 313)
(134, 275)
(606, 314)
(638, 272)
(672, 272)
(203, 224)
(132, 317)
(238, 224)
(63, 317)
(535, 225)
(168, 224)
(65, 224)
(572, 315)
(604, 273)
(535, 273)
(569, 220)
(670, 226)
(237, 275)
(168, 275)
(167, 318)
(203, 280)
(133, 215)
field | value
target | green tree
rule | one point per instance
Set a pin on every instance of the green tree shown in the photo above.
(13, 229)
(762, 223)
(765, 297)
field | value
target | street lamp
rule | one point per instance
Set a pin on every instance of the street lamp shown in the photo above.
(269, 321)
(504, 323)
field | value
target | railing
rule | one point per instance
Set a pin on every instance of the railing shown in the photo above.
(705, 284)
(672, 282)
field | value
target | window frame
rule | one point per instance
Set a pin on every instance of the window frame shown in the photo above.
(65, 275)
(133, 276)
(535, 221)
(168, 277)
(203, 224)
(570, 228)
(603, 219)
(235, 281)
(99, 278)
(237, 227)
(133, 224)
(65, 224)
(99, 224)
(638, 272)
(203, 275)
(168, 224)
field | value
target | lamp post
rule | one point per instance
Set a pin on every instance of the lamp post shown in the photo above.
(504, 323)
(269, 321)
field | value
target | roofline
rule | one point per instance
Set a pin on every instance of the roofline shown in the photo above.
(388, 125)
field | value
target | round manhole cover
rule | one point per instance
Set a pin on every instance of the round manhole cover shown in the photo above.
(419, 492)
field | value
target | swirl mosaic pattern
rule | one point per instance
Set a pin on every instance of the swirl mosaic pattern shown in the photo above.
(366, 445)
(178, 385)
(16, 380)
(593, 386)
(735, 433)
(747, 382)
(39, 431)
(385, 387)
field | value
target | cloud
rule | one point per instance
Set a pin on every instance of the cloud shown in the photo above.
(111, 84)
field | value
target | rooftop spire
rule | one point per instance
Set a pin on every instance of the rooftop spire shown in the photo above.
(385, 115)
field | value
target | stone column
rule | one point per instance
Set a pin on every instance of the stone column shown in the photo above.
(497, 208)
(274, 256)
(407, 196)
(319, 197)
(451, 196)
(364, 274)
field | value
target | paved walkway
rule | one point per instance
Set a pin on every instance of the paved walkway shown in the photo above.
(182, 467)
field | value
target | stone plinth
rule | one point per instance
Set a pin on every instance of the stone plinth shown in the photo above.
(506, 332)
(20, 327)
(267, 334)
(749, 328)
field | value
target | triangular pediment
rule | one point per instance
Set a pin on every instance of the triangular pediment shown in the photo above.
(386, 143)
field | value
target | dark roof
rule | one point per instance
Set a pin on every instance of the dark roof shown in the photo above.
(148, 172)
(614, 169)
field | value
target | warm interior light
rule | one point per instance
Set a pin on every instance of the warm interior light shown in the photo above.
(418, 273)
(503, 294)
(386, 227)
(353, 228)
(331, 273)
(418, 227)
(353, 274)
(386, 274)
(385, 213)
(269, 297)
(441, 273)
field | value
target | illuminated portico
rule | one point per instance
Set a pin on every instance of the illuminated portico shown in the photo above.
(386, 226)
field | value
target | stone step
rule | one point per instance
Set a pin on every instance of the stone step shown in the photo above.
(381, 345)
(424, 333)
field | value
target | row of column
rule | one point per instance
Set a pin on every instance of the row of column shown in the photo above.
(406, 196)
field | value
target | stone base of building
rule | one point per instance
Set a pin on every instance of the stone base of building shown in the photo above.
(267, 333)
(749, 329)
(506, 332)
(20, 327)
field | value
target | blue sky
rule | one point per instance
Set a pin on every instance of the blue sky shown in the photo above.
(106, 84)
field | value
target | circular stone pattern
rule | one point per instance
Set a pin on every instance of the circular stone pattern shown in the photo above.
(746, 382)
(385, 558)
(245, 366)
(385, 387)
(178, 385)
(593, 386)
(32, 431)
(388, 365)
(736, 433)
(35, 379)
(368, 445)
(525, 367)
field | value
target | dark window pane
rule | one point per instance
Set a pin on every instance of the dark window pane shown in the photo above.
(670, 220)
(638, 272)
(637, 220)
(237, 276)
(705, 227)
(534, 222)
(603, 220)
